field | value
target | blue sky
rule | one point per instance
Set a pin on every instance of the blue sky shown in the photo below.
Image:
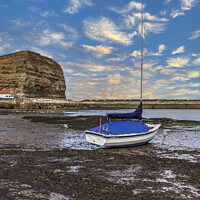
(97, 43)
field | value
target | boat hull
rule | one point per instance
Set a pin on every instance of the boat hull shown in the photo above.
(122, 140)
(6, 97)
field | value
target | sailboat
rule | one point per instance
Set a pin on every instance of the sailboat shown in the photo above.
(128, 128)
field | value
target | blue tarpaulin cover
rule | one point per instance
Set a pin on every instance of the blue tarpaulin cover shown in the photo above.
(121, 127)
(137, 114)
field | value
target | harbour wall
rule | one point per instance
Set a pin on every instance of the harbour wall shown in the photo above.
(28, 103)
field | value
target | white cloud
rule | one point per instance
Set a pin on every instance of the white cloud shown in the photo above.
(176, 13)
(181, 49)
(55, 39)
(194, 84)
(197, 61)
(177, 62)
(152, 27)
(136, 54)
(193, 74)
(105, 30)
(17, 23)
(195, 34)
(185, 76)
(148, 67)
(187, 4)
(132, 5)
(76, 5)
(114, 78)
(150, 17)
(64, 45)
(47, 37)
(163, 12)
(166, 71)
(179, 78)
(48, 13)
(135, 73)
(98, 51)
(42, 52)
(118, 58)
(80, 74)
(183, 92)
(167, 1)
(71, 32)
(130, 21)
(196, 54)
(91, 67)
(152, 23)
(42, 13)
(3, 47)
(161, 48)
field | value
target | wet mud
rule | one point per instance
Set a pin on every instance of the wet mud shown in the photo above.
(47, 157)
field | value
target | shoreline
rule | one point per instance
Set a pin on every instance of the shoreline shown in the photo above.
(27, 104)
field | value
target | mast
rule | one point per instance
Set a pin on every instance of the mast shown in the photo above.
(142, 33)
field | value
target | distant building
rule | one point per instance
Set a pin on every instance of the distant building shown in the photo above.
(6, 94)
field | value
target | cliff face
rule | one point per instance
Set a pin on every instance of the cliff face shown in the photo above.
(31, 75)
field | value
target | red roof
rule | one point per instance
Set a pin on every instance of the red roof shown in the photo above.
(6, 91)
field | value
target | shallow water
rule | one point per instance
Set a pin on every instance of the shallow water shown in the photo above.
(179, 114)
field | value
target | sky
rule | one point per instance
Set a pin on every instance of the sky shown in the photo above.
(98, 43)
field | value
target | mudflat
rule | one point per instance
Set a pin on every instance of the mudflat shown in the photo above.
(46, 156)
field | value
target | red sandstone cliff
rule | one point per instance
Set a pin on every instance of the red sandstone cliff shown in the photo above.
(31, 75)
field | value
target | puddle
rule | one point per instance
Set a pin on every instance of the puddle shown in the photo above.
(191, 158)
(56, 196)
(11, 159)
(178, 138)
(52, 159)
(126, 176)
(74, 169)
(21, 191)
(179, 187)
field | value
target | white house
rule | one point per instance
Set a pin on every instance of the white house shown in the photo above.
(6, 94)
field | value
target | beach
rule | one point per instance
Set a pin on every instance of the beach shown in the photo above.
(46, 156)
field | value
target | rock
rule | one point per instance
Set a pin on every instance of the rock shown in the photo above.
(31, 75)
